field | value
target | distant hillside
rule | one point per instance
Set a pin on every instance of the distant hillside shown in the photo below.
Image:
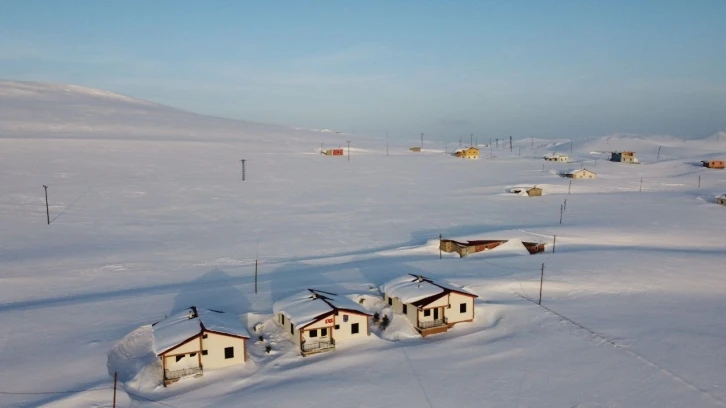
(42, 110)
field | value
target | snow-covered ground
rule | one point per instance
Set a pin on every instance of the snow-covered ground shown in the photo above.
(151, 224)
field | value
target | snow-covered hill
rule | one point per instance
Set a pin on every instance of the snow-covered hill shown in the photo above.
(43, 110)
(153, 221)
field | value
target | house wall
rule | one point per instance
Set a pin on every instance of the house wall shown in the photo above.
(318, 327)
(397, 307)
(453, 313)
(343, 332)
(721, 201)
(215, 345)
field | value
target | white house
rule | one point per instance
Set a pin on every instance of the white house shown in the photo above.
(721, 199)
(557, 157)
(580, 174)
(318, 320)
(198, 339)
(431, 306)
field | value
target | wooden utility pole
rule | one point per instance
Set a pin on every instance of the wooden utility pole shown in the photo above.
(569, 188)
(440, 237)
(541, 281)
(115, 379)
(243, 169)
(554, 244)
(561, 210)
(565, 205)
(510, 144)
(658, 158)
(348, 141)
(47, 210)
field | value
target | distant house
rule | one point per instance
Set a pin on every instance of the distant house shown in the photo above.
(713, 164)
(318, 320)
(721, 199)
(197, 339)
(431, 306)
(580, 174)
(414, 149)
(334, 152)
(472, 247)
(531, 192)
(623, 157)
(557, 157)
(467, 153)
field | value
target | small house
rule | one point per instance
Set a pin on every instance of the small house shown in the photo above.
(334, 152)
(580, 174)
(467, 153)
(623, 157)
(318, 320)
(195, 340)
(430, 306)
(721, 199)
(713, 164)
(531, 192)
(557, 157)
(472, 247)
(414, 149)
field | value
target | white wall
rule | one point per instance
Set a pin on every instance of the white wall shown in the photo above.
(215, 345)
(453, 313)
(343, 332)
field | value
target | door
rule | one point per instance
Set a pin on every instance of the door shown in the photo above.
(436, 314)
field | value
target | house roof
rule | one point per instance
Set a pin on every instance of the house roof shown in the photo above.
(574, 171)
(414, 288)
(554, 155)
(310, 305)
(189, 323)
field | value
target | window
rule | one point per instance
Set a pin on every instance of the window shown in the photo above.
(390, 302)
(427, 312)
(179, 357)
(354, 328)
(292, 328)
(337, 327)
(405, 309)
(192, 354)
(205, 352)
(313, 333)
(462, 308)
(323, 332)
(282, 319)
(204, 336)
(228, 352)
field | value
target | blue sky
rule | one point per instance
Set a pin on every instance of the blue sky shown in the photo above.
(448, 68)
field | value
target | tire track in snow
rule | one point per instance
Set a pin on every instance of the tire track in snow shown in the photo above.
(665, 371)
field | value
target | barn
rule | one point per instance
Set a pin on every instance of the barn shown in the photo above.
(317, 320)
(334, 152)
(713, 164)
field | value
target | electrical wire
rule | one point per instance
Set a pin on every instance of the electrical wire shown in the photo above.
(54, 392)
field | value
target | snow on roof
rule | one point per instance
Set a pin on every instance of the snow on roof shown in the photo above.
(307, 306)
(411, 288)
(554, 155)
(190, 322)
(573, 171)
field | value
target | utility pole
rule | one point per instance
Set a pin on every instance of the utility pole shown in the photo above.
(569, 188)
(565, 205)
(554, 243)
(115, 378)
(257, 256)
(510, 144)
(348, 141)
(491, 154)
(243, 169)
(47, 211)
(658, 158)
(561, 210)
(541, 281)
(440, 237)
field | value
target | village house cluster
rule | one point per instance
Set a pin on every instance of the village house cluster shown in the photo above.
(195, 339)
